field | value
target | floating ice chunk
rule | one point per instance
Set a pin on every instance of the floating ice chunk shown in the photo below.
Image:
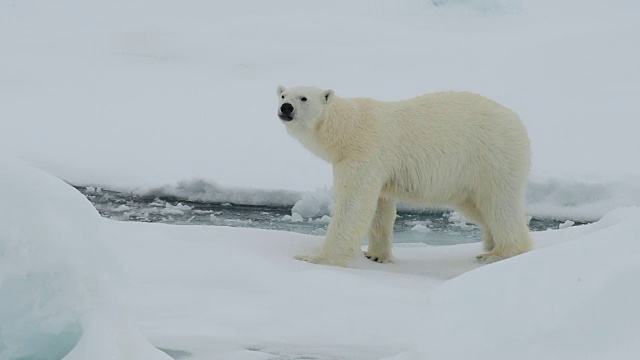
(120, 209)
(325, 219)
(414, 222)
(202, 212)
(171, 211)
(458, 220)
(566, 224)
(158, 203)
(421, 228)
(314, 204)
(295, 217)
(179, 206)
(456, 217)
(178, 209)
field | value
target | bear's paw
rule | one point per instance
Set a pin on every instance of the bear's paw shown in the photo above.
(489, 258)
(317, 259)
(379, 258)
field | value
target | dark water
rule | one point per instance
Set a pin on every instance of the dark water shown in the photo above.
(429, 227)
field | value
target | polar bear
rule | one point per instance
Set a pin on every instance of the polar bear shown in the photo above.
(455, 149)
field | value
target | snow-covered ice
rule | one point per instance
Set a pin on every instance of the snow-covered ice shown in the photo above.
(574, 300)
(176, 99)
(233, 293)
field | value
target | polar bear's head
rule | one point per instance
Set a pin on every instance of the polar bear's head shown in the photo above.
(302, 106)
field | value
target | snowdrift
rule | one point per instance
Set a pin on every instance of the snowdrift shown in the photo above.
(58, 279)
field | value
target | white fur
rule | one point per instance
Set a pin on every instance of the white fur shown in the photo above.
(450, 148)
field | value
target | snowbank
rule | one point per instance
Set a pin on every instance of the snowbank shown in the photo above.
(236, 293)
(578, 305)
(57, 282)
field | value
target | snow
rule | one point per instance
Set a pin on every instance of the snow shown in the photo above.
(177, 99)
(254, 296)
(550, 311)
(103, 289)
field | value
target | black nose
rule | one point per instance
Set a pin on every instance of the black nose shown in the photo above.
(286, 108)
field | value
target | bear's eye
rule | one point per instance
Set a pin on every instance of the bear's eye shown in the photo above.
(283, 96)
(303, 98)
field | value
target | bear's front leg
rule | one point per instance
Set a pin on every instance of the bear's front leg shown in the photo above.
(381, 232)
(356, 197)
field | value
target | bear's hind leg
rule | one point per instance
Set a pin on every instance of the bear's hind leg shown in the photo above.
(506, 221)
(381, 232)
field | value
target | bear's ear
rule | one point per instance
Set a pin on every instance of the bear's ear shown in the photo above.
(328, 95)
(280, 90)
